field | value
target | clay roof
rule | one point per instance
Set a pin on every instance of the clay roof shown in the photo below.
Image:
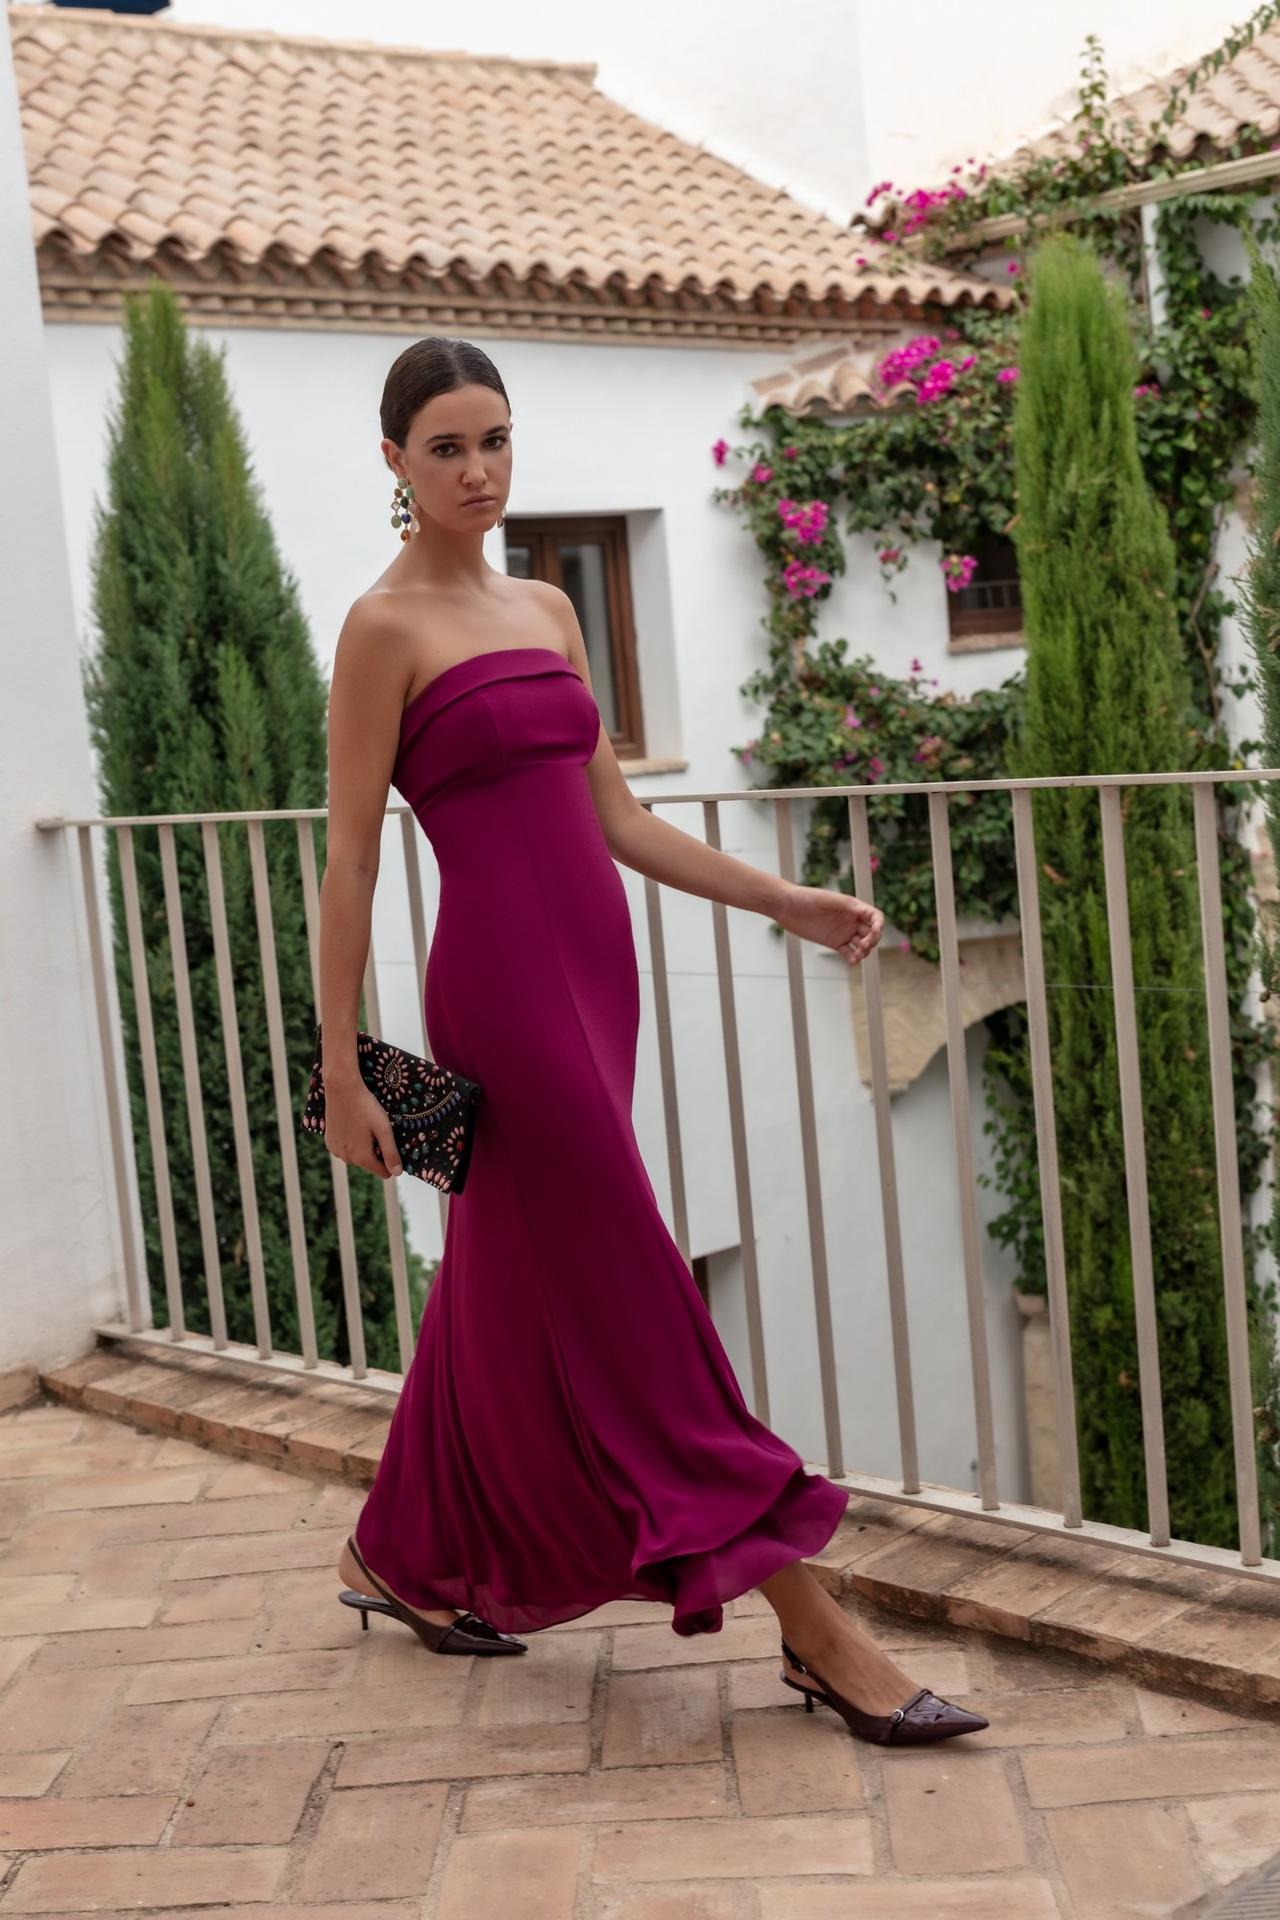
(1243, 93)
(312, 183)
(838, 379)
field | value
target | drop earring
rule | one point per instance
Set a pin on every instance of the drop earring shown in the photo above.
(404, 510)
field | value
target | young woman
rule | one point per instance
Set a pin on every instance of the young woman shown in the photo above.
(570, 1430)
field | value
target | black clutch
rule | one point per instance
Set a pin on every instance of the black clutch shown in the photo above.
(432, 1109)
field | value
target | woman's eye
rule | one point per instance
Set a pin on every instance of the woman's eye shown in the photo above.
(497, 440)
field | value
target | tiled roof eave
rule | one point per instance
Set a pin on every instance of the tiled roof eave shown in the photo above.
(219, 289)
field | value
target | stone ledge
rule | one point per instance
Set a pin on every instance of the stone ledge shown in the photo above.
(318, 1425)
(1195, 1630)
(1165, 1623)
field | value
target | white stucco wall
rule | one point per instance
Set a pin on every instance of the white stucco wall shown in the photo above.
(61, 1256)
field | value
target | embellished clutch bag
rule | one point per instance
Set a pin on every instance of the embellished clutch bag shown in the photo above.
(432, 1109)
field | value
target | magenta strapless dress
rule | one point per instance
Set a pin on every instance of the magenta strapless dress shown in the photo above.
(570, 1430)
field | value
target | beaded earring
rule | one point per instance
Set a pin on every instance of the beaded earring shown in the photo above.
(404, 510)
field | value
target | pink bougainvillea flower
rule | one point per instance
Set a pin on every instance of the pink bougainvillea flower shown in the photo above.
(850, 718)
(1206, 311)
(875, 766)
(917, 667)
(1013, 267)
(959, 569)
(719, 451)
(760, 474)
(1007, 375)
(903, 361)
(936, 382)
(806, 522)
(801, 581)
(875, 861)
(790, 453)
(873, 693)
(888, 555)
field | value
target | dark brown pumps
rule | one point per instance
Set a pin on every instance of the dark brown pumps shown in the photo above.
(467, 1634)
(924, 1717)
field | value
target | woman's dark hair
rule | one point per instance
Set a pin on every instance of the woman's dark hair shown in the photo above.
(435, 365)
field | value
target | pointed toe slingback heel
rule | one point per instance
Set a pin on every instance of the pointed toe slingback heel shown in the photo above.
(922, 1718)
(467, 1634)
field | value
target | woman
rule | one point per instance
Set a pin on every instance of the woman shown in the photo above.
(570, 1430)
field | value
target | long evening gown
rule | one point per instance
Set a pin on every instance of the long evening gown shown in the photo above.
(570, 1430)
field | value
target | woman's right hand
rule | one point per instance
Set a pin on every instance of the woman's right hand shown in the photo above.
(356, 1125)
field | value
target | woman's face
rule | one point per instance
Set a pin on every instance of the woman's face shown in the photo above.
(458, 450)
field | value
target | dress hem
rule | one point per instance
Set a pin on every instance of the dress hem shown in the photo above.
(799, 1523)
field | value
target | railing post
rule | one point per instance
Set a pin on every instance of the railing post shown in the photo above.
(890, 1211)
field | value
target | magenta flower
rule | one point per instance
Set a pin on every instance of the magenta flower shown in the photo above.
(850, 718)
(761, 473)
(959, 569)
(875, 861)
(801, 581)
(1007, 375)
(873, 693)
(719, 451)
(903, 361)
(790, 453)
(806, 522)
(916, 667)
(935, 382)
(888, 555)
(1013, 267)
(875, 766)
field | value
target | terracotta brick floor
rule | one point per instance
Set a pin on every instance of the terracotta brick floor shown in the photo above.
(189, 1721)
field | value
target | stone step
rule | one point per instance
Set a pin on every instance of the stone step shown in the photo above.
(1212, 1634)
(322, 1426)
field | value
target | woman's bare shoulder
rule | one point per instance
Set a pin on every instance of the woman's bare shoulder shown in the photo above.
(373, 640)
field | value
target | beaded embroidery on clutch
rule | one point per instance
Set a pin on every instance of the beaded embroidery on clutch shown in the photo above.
(432, 1109)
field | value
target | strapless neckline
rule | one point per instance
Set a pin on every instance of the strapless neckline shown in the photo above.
(469, 659)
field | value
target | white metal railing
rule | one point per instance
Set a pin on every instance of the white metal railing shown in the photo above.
(1248, 1558)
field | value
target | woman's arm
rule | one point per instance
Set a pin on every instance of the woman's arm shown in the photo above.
(365, 702)
(637, 838)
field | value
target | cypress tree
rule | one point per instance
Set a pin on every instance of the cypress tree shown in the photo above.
(204, 695)
(1107, 692)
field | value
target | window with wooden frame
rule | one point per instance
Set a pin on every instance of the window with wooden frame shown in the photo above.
(586, 557)
(988, 612)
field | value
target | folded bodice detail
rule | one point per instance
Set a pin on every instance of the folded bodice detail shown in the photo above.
(492, 717)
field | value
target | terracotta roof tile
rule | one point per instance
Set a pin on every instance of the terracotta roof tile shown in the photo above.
(314, 175)
(1244, 91)
(837, 379)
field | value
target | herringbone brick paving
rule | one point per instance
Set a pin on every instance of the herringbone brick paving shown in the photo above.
(190, 1723)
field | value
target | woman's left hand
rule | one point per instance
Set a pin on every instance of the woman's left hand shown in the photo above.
(833, 919)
